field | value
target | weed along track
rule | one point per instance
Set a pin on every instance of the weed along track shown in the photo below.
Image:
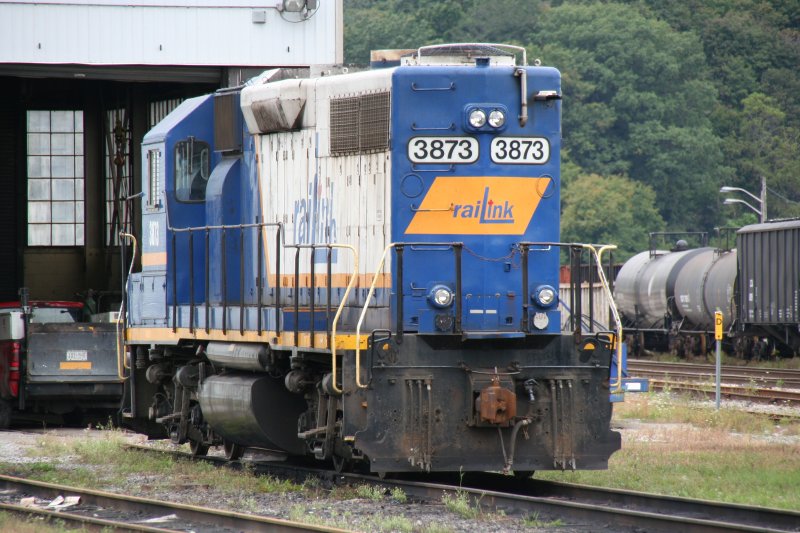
(552, 503)
(322, 499)
(114, 511)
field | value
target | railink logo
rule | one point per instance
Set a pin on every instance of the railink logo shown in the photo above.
(478, 205)
(487, 211)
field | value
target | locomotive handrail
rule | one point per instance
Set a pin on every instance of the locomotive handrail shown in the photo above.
(121, 366)
(597, 250)
(371, 291)
(281, 237)
(339, 312)
(378, 269)
(495, 45)
(614, 311)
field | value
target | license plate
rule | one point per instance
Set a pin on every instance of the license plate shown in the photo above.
(520, 150)
(456, 150)
(77, 355)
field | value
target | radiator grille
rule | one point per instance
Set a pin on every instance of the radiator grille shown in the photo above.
(227, 122)
(360, 124)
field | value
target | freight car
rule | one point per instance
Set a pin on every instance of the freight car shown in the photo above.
(668, 299)
(363, 268)
(768, 289)
(56, 360)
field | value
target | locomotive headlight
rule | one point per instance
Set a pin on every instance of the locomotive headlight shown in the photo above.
(477, 118)
(441, 296)
(497, 118)
(544, 295)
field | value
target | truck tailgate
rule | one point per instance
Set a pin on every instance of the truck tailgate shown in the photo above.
(72, 352)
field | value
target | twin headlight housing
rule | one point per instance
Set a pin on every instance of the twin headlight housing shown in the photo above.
(478, 117)
(442, 296)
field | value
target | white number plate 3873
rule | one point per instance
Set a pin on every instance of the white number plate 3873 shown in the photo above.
(443, 149)
(520, 150)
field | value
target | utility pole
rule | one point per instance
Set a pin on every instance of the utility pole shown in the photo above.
(763, 199)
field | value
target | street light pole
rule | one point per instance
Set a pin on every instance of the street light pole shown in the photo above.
(762, 200)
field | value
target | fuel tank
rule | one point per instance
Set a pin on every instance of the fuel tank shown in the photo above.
(253, 410)
(705, 285)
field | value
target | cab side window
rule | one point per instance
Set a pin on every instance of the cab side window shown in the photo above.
(192, 163)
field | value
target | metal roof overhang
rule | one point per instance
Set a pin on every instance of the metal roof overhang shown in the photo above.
(126, 73)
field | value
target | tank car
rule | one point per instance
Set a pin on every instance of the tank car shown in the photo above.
(363, 268)
(668, 298)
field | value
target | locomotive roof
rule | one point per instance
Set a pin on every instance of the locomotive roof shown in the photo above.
(186, 108)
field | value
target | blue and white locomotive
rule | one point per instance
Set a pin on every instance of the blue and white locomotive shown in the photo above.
(364, 268)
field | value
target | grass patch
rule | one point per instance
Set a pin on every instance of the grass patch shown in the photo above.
(437, 528)
(534, 521)
(33, 524)
(460, 503)
(399, 495)
(721, 456)
(369, 492)
(392, 523)
(308, 515)
(106, 463)
(660, 407)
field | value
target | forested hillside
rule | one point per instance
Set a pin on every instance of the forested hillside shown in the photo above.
(664, 102)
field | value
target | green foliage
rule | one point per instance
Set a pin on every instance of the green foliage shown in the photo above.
(609, 210)
(399, 495)
(370, 492)
(680, 96)
(461, 504)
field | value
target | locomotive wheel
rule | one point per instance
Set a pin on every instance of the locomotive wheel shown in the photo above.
(340, 464)
(233, 451)
(197, 448)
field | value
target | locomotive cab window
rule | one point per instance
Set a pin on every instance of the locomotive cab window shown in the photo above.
(192, 162)
(154, 178)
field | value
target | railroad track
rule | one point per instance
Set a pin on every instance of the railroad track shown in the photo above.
(577, 506)
(746, 383)
(106, 511)
(766, 377)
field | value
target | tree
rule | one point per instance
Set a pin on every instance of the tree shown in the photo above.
(389, 24)
(609, 210)
(637, 101)
(768, 147)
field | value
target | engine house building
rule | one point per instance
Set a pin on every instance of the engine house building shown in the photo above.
(81, 81)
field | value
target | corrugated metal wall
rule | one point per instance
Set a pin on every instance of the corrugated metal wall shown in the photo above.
(169, 32)
(769, 274)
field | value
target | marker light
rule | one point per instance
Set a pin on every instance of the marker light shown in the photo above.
(544, 295)
(477, 118)
(497, 118)
(441, 296)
